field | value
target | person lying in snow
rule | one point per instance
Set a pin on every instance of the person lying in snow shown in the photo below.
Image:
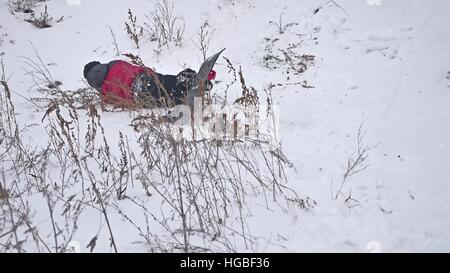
(125, 84)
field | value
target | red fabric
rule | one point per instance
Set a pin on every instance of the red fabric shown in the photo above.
(118, 82)
(212, 75)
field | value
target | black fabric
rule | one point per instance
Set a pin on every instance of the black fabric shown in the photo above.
(185, 79)
(161, 89)
(157, 89)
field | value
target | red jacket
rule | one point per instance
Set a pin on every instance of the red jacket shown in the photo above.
(117, 85)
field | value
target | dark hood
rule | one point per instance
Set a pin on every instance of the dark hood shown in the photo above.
(97, 74)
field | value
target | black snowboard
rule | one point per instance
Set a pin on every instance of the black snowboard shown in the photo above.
(202, 75)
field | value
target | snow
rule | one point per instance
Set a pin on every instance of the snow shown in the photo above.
(383, 66)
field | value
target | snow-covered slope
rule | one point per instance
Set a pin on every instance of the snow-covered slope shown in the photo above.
(384, 66)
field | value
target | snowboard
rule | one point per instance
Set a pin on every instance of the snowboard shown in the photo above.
(201, 77)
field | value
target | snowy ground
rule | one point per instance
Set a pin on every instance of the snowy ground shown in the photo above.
(383, 64)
